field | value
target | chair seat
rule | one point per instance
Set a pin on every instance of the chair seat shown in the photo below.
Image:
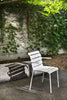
(47, 69)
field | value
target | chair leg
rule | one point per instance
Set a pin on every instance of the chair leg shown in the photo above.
(50, 83)
(31, 81)
(43, 77)
(58, 79)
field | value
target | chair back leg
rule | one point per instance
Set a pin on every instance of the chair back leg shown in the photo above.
(58, 79)
(43, 77)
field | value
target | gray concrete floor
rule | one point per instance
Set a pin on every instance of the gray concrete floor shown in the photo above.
(9, 91)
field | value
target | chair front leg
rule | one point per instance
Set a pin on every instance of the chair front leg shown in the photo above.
(50, 83)
(57, 78)
(31, 81)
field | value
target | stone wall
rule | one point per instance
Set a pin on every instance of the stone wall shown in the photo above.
(21, 38)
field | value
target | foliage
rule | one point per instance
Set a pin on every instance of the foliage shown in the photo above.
(49, 6)
(11, 45)
(46, 24)
(62, 28)
(46, 31)
(17, 9)
(49, 32)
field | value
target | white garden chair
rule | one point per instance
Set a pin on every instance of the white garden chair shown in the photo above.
(37, 65)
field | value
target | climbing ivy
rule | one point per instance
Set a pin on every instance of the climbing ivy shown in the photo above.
(11, 45)
(19, 10)
(49, 32)
(46, 25)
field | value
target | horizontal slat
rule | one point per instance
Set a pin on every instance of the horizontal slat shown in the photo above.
(37, 64)
(10, 65)
(17, 74)
(36, 60)
(15, 64)
(15, 71)
(16, 68)
(35, 56)
(32, 53)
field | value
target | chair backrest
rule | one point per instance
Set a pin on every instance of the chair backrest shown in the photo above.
(36, 59)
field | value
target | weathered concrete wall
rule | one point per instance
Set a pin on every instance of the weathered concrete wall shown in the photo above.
(21, 38)
(60, 51)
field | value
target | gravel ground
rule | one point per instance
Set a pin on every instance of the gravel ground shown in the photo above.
(58, 61)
